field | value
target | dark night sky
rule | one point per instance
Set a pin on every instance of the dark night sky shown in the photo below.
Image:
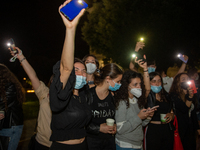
(38, 30)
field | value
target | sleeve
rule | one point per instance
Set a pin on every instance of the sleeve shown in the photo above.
(42, 91)
(125, 125)
(60, 97)
(145, 122)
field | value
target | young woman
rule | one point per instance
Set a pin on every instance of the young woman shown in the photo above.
(185, 105)
(70, 113)
(159, 135)
(100, 135)
(11, 98)
(42, 92)
(130, 113)
(92, 64)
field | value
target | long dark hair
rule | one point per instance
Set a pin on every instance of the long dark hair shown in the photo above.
(162, 93)
(96, 60)
(122, 93)
(176, 87)
(112, 70)
(6, 76)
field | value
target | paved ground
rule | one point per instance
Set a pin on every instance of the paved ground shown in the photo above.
(28, 130)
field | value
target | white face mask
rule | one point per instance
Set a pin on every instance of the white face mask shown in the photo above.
(137, 92)
(91, 68)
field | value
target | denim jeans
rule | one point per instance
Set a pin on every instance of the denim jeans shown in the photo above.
(121, 148)
(14, 133)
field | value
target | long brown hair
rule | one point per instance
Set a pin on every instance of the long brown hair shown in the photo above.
(6, 76)
(176, 87)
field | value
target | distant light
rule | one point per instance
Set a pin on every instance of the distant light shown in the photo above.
(24, 78)
(30, 91)
(8, 44)
(141, 39)
(133, 55)
(179, 55)
(189, 82)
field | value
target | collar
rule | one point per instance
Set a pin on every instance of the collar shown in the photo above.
(133, 100)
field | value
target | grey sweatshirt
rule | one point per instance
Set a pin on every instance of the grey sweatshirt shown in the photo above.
(129, 125)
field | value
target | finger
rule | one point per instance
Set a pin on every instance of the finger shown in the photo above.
(145, 57)
(80, 14)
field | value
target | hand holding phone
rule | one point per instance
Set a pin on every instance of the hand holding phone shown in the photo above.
(192, 86)
(11, 45)
(155, 107)
(73, 8)
(181, 57)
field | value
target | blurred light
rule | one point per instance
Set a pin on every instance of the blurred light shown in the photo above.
(30, 91)
(141, 39)
(80, 1)
(133, 55)
(189, 82)
(8, 44)
(24, 78)
(179, 55)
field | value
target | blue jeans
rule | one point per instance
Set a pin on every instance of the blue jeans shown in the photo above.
(121, 148)
(14, 133)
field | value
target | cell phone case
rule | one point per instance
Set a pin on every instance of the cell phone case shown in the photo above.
(72, 9)
(193, 86)
(182, 58)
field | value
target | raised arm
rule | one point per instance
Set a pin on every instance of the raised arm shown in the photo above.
(183, 66)
(67, 57)
(147, 84)
(28, 69)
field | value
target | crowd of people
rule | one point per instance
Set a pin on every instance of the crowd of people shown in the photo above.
(80, 98)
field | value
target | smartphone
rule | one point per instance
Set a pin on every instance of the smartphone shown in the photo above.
(73, 8)
(192, 85)
(180, 56)
(11, 45)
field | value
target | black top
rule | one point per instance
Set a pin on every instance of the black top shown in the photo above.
(101, 110)
(185, 121)
(14, 112)
(70, 113)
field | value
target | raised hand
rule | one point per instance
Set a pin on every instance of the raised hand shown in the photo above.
(139, 45)
(142, 63)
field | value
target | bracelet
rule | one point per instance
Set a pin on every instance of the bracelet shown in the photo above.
(22, 59)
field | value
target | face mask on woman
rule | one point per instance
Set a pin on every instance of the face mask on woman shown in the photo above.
(151, 69)
(91, 68)
(184, 85)
(137, 92)
(80, 82)
(156, 89)
(115, 88)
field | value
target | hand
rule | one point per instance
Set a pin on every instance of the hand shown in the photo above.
(139, 45)
(185, 57)
(114, 129)
(144, 113)
(74, 22)
(169, 117)
(104, 128)
(1, 116)
(198, 131)
(141, 63)
(151, 112)
(18, 50)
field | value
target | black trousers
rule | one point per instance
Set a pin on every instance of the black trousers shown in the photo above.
(101, 144)
(39, 146)
(159, 137)
(60, 146)
(189, 140)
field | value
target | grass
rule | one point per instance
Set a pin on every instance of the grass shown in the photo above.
(31, 106)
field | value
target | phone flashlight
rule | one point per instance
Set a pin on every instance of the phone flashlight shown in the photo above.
(80, 1)
(8, 44)
(141, 39)
(179, 55)
(189, 82)
(133, 56)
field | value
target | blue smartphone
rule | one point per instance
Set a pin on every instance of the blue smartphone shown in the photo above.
(73, 8)
(180, 56)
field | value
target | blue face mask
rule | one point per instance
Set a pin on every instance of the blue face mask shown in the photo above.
(151, 69)
(115, 88)
(156, 89)
(80, 82)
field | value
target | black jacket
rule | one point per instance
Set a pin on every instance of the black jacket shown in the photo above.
(14, 112)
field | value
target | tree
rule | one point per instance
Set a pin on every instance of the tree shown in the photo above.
(114, 26)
